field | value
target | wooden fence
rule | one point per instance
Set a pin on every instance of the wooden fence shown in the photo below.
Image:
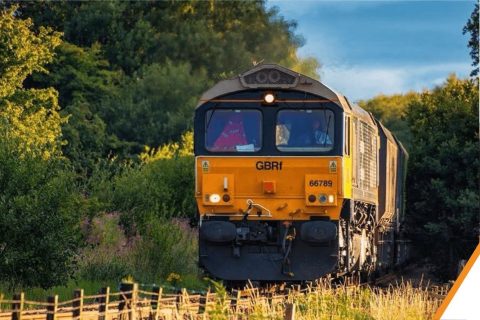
(131, 303)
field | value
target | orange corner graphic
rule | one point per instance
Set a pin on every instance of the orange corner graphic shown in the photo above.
(457, 284)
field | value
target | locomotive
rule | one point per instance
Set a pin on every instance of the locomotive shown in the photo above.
(293, 182)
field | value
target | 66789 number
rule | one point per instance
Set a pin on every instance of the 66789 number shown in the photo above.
(320, 183)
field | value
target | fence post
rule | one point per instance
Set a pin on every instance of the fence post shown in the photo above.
(18, 306)
(129, 298)
(104, 301)
(235, 301)
(52, 307)
(179, 301)
(155, 302)
(290, 311)
(269, 296)
(133, 310)
(184, 305)
(203, 307)
(77, 304)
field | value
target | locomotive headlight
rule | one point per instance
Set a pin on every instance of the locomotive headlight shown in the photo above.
(269, 98)
(214, 198)
(331, 198)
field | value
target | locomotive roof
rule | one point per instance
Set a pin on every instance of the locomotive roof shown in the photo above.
(385, 131)
(298, 82)
(258, 78)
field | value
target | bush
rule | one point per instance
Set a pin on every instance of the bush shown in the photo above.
(161, 189)
(143, 235)
(163, 248)
(166, 247)
(39, 218)
(444, 170)
(108, 253)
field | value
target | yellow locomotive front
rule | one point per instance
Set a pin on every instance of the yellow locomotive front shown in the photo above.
(272, 171)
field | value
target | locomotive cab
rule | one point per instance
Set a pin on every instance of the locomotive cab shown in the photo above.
(275, 177)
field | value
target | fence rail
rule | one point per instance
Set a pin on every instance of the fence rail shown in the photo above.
(131, 303)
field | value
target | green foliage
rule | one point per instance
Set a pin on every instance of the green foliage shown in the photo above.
(162, 248)
(157, 106)
(39, 203)
(444, 170)
(78, 74)
(472, 28)
(39, 215)
(107, 254)
(308, 66)
(29, 116)
(223, 37)
(162, 189)
(170, 150)
(165, 247)
(390, 110)
(82, 78)
(17, 57)
(220, 308)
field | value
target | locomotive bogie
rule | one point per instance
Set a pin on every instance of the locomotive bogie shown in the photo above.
(268, 250)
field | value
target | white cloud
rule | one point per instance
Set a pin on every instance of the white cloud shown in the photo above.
(363, 70)
(365, 82)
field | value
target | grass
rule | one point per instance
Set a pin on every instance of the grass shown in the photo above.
(401, 301)
(90, 287)
(321, 302)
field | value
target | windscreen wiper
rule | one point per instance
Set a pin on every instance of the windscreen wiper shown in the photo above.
(326, 131)
(214, 108)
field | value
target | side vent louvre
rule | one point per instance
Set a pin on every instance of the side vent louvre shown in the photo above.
(366, 150)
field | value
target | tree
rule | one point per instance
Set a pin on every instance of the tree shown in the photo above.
(29, 116)
(39, 217)
(83, 80)
(157, 106)
(223, 38)
(472, 28)
(390, 110)
(39, 206)
(444, 170)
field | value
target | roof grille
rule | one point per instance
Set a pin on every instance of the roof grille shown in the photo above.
(269, 78)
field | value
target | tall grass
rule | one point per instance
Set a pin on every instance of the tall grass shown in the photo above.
(400, 302)
(164, 247)
(322, 302)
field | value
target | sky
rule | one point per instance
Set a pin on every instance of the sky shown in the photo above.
(368, 48)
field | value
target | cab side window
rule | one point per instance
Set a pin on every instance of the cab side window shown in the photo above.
(347, 135)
